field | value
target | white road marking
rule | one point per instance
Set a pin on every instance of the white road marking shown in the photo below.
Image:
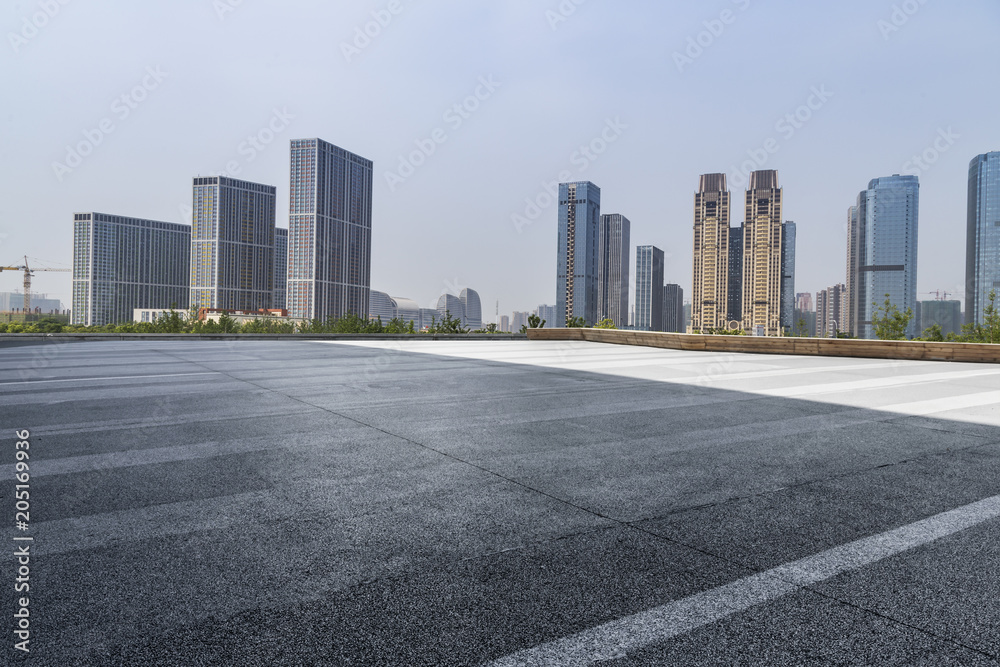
(119, 377)
(616, 638)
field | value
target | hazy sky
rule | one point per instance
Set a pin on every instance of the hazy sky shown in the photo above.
(115, 106)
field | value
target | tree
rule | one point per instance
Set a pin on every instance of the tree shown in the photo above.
(447, 325)
(535, 322)
(889, 322)
(606, 323)
(575, 322)
(932, 333)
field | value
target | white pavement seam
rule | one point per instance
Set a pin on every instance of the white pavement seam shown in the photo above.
(105, 379)
(615, 639)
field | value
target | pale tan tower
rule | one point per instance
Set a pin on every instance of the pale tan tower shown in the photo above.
(710, 286)
(762, 254)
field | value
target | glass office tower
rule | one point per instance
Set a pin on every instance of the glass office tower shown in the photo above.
(887, 249)
(613, 269)
(576, 255)
(648, 288)
(982, 259)
(329, 231)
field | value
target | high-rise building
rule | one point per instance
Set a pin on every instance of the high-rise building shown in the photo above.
(548, 314)
(121, 263)
(710, 287)
(472, 308)
(232, 244)
(886, 242)
(982, 255)
(734, 291)
(803, 301)
(612, 269)
(788, 275)
(280, 267)
(831, 306)
(673, 308)
(854, 239)
(945, 314)
(576, 258)
(519, 320)
(451, 306)
(329, 231)
(505, 323)
(762, 253)
(648, 288)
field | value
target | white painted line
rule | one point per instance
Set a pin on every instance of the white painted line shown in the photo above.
(615, 638)
(119, 377)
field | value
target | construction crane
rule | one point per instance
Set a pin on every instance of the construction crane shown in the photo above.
(941, 296)
(28, 272)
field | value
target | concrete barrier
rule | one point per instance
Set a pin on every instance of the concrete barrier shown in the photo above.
(825, 347)
(29, 338)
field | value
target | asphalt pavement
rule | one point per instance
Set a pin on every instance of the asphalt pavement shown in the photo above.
(497, 503)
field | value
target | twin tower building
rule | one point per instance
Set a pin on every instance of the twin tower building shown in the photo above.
(232, 256)
(744, 277)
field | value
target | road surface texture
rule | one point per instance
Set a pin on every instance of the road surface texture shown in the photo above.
(499, 503)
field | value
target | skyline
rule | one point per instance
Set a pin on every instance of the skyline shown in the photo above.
(659, 123)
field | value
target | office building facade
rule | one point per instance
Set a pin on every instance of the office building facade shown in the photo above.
(548, 314)
(788, 275)
(982, 257)
(710, 285)
(947, 314)
(886, 241)
(472, 309)
(762, 228)
(734, 291)
(280, 268)
(673, 309)
(613, 268)
(329, 231)
(648, 288)
(854, 242)
(577, 251)
(232, 244)
(122, 263)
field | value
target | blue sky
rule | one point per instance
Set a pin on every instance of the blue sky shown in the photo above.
(660, 92)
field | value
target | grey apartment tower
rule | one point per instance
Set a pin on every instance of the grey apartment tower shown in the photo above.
(576, 254)
(232, 244)
(982, 258)
(280, 268)
(329, 231)
(122, 263)
(788, 276)
(613, 270)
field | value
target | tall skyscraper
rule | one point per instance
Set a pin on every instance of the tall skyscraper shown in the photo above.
(886, 241)
(612, 269)
(734, 291)
(762, 253)
(121, 263)
(548, 314)
(232, 244)
(982, 255)
(473, 309)
(831, 306)
(648, 288)
(673, 308)
(710, 286)
(505, 323)
(280, 267)
(329, 231)
(853, 253)
(614, 243)
(576, 259)
(788, 275)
